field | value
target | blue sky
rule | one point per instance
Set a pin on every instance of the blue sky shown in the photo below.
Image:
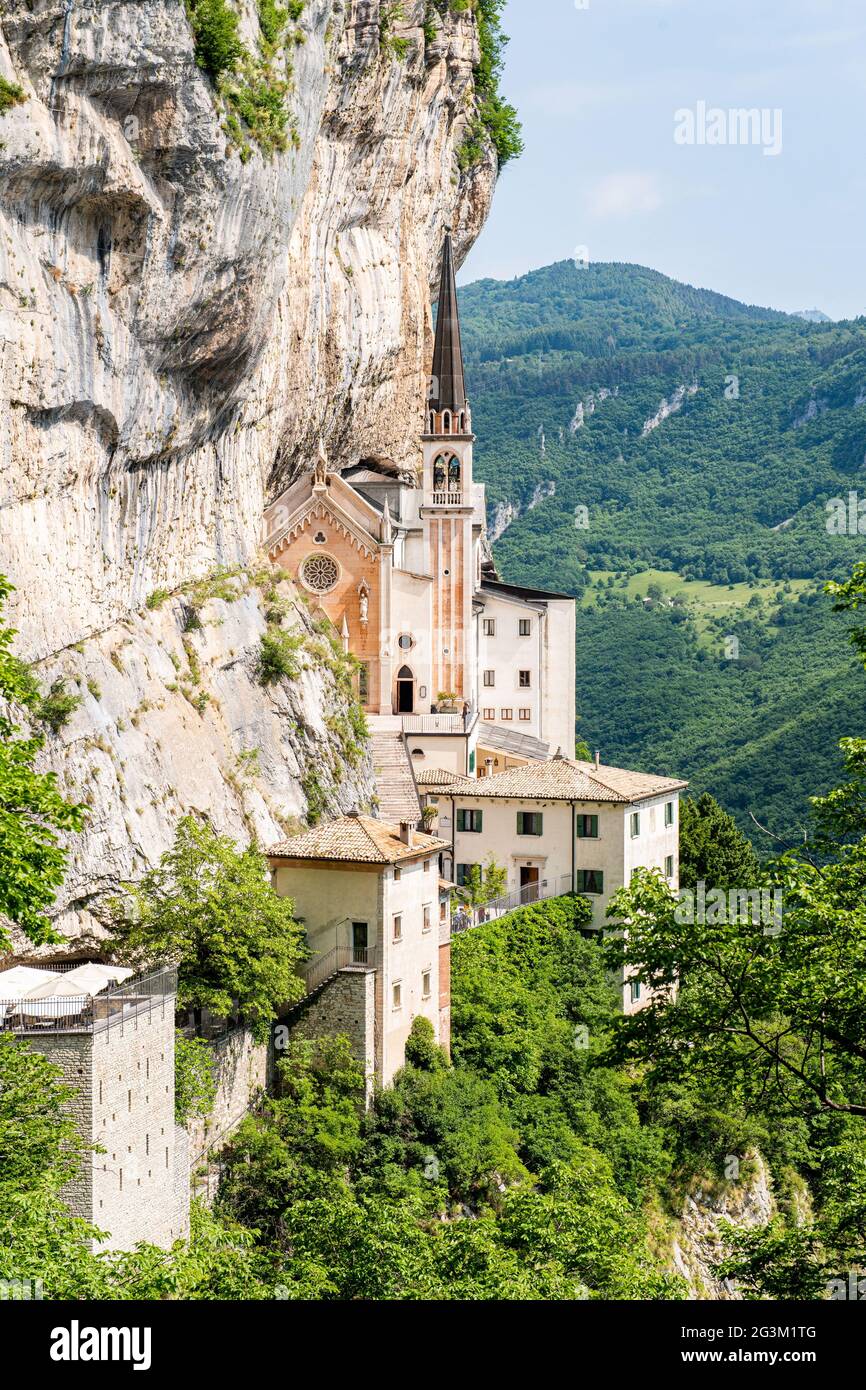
(598, 89)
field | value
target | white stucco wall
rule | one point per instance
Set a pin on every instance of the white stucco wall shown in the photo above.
(329, 897)
(614, 853)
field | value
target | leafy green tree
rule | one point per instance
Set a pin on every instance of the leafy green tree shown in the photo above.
(194, 1081)
(851, 596)
(210, 908)
(40, 1150)
(422, 1049)
(712, 847)
(483, 883)
(32, 861)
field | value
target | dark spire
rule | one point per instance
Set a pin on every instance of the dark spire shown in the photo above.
(448, 391)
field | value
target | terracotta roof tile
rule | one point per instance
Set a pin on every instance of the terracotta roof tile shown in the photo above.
(440, 777)
(563, 779)
(356, 839)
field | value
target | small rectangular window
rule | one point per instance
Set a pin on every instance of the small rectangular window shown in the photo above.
(525, 714)
(587, 827)
(397, 994)
(425, 984)
(427, 917)
(426, 866)
(669, 866)
(506, 714)
(489, 627)
(590, 881)
(524, 627)
(634, 988)
(443, 910)
(470, 821)
(462, 875)
(669, 813)
(635, 824)
(397, 873)
(488, 714)
(524, 679)
(398, 928)
(530, 823)
(489, 679)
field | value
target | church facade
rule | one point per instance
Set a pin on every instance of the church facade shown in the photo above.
(400, 565)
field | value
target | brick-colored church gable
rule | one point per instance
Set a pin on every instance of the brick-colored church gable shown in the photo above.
(345, 599)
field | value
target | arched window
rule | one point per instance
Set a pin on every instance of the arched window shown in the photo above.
(440, 474)
(454, 474)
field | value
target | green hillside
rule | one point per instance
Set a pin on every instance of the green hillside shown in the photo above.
(727, 490)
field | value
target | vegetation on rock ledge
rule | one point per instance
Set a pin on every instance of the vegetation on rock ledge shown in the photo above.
(253, 86)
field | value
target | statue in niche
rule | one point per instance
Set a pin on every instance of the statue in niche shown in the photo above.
(364, 603)
(320, 471)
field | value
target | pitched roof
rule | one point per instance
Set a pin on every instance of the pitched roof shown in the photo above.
(356, 839)
(563, 779)
(447, 370)
(440, 777)
(511, 741)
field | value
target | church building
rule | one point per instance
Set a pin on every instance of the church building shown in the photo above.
(401, 566)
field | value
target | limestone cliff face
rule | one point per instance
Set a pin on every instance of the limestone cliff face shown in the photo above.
(177, 328)
(175, 719)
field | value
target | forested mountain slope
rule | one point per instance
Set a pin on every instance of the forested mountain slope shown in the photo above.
(627, 423)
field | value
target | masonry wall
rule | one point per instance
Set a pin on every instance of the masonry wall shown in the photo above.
(73, 1054)
(137, 1189)
(242, 1069)
(346, 1005)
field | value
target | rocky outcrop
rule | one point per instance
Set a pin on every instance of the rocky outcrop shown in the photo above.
(589, 407)
(506, 513)
(668, 408)
(745, 1201)
(178, 326)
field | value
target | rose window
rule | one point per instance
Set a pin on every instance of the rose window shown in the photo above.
(320, 573)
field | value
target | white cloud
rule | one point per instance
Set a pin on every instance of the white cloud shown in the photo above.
(623, 195)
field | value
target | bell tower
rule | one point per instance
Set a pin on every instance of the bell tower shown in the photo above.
(447, 507)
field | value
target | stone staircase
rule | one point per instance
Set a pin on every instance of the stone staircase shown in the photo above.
(395, 782)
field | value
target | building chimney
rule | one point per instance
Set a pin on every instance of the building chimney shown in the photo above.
(597, 759)
(488, 767)
(407, 833)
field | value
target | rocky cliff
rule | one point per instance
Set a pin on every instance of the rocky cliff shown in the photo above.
(181, 317)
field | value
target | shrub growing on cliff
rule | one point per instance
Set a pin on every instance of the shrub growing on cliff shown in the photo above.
(32, 862)
(210, 908)
(55, 708)
(494, 115)
(278, 656)
(218, 45)
(10, 95)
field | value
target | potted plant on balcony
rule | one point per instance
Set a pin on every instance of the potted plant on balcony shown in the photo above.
(447, 702)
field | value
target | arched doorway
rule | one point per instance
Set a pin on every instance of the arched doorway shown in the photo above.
(405, 691)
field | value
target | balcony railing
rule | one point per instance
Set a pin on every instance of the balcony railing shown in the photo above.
(85, 1013)
(447, 499)
(321, 968)
(439, 723)
(466, 917)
